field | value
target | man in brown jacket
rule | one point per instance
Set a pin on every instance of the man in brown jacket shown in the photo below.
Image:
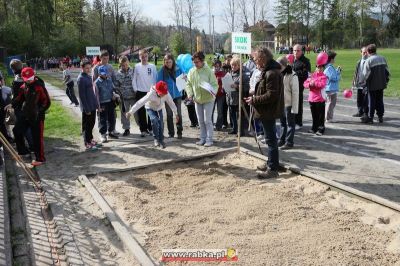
(268, 103)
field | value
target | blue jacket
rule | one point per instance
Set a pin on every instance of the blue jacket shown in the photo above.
(88, 100)
(104, 89)
(333, 76)
(172, 89)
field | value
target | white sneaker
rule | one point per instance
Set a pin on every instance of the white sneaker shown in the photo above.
(330, 121)
(156, 143)
(262, 141)
(103, 138)
(208, 144)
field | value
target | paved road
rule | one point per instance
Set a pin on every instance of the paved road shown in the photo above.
(365, 157)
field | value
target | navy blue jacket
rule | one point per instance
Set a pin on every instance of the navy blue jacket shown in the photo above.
(88, 99)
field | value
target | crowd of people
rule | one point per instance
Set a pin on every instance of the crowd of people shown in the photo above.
(271, 90)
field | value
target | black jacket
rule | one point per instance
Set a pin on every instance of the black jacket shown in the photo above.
(302, 67)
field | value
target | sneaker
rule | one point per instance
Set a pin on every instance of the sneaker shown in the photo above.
(114, 132)
(208, 144)
(112, 136)
(311, 131)
(286, 147)
(143, 134)
(156, 143)
(263, 141)
(127, 132)
(201, 142)
(260, 137)
(162, 145)
(36, 163)
(367, 120)
(330, 121)
(319, 133)
(90, 147)
(171, 136)
(179, 136)
(95, 143)
(103, 138)
(193, 125)
(262, 167)
(357, 115)
(224, 127)
(380, 119)
(267, 174)
(298, 127)
(150, 132)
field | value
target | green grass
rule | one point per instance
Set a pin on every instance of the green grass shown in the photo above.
(8, 78)
(347, 59)
(61, 124)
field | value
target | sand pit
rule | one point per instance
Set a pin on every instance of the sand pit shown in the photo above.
(219, 203)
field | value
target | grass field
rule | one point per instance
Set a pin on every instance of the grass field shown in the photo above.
(61, 124)
(347, 59)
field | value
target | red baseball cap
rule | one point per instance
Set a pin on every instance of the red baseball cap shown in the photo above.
(27, 74)
(161, 88)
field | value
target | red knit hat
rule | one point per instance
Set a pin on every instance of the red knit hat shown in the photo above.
(161, 88)
(27, 74)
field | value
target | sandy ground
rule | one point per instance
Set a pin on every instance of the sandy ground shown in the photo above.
(220, 204)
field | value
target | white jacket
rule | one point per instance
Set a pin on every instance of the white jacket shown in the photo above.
(154, 102)
(291, 85)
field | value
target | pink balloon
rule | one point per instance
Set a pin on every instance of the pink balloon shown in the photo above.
(347, 94)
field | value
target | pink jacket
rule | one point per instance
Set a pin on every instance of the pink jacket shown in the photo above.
(319, 81)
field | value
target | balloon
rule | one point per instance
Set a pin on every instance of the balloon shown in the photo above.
(179, 60)
(186, 63)
(347, 94)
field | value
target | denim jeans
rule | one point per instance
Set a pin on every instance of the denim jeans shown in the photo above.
(107, 118)
(157, 123)
(171, 118)
(272, 142)
(204, 114)
(288, 125)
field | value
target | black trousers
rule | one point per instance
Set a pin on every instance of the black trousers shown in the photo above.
(192, 115)
(375, 103)
(36, 127)
(299, 115)
(71, 93)
(88, 121)
(144, 119)
(318, 116)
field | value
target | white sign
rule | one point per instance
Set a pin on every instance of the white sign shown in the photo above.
(241, 42)
(227, 82)
(180, 82)
(95, 50)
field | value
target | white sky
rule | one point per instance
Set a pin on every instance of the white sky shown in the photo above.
(161, 10)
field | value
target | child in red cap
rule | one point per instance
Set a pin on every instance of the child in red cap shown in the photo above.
(154, 102)
(33, 100)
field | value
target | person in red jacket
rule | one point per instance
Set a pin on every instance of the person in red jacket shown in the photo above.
(220, 99)
(34, 100)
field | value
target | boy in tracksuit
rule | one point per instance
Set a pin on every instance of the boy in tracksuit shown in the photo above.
(105, 95)
(33, 101)
(67, 79)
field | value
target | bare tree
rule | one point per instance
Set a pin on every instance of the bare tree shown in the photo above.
(230, 14)
(244, 11)
(99, 6)
(191, 9)
(117, 13)
(177, 13)
(133, 20)
(263, 7)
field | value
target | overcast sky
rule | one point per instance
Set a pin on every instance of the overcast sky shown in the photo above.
(161, 10)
